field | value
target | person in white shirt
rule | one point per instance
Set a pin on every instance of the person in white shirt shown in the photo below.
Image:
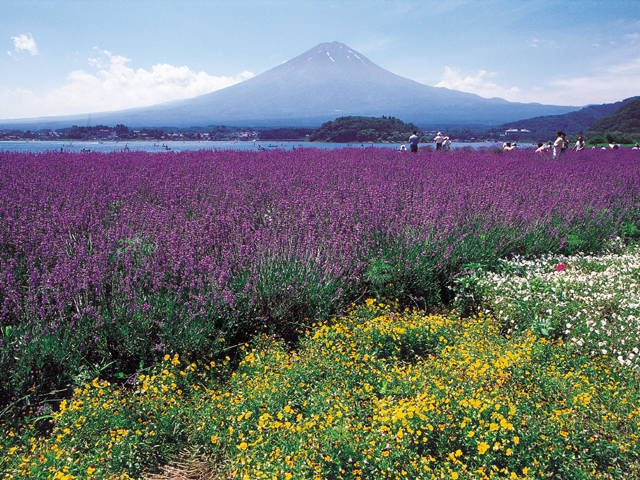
(438, 139)
(579, 144)
(559, 145)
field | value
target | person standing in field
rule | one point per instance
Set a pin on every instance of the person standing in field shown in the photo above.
(413, 141)
(438, 139)
(579, 144)
(559, 145)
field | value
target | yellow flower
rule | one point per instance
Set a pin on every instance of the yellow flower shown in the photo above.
(243, 446)
(475, 403)
(483, 447)
(90, 470)
(504, 423)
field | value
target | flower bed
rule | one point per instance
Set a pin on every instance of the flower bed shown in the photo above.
(382, 392)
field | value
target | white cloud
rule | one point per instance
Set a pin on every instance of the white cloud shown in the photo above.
(479, 83)
(605, 87)
(111, 84)
(610, 83)
(24, 43)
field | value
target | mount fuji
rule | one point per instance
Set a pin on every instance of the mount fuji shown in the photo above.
(328, 81)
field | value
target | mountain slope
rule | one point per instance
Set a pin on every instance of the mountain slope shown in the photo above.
(626, 119)
(572, 123)
(332, 80)
(328, 81)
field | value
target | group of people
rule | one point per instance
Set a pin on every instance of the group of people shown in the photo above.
(442, 142)
(558, 146)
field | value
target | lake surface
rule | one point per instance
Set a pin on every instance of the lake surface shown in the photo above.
(179, 146)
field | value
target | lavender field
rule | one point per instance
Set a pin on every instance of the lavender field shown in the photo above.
(110, 261)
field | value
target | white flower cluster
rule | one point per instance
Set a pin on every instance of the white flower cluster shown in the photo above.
(591, 301)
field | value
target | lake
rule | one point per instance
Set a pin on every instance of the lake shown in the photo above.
(179, 146)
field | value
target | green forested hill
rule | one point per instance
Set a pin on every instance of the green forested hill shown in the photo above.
(364, 129)
(573, 123)
(625, 120)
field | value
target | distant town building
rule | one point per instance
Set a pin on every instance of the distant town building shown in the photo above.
(516, 131)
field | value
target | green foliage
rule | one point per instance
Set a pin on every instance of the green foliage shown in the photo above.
(286, 296)
(630, 230)
(626, 120)
(405, 268)
(544, 128)
(467, 294)
(597, 140)
(364, 129)
(284, 133)
(620, 137)
(85, 133)
(381, 392)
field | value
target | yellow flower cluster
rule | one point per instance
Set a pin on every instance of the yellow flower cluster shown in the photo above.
(387, 394)
(105, 430)
(381, 393)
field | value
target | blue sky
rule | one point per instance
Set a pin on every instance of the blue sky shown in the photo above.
(82, 56)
